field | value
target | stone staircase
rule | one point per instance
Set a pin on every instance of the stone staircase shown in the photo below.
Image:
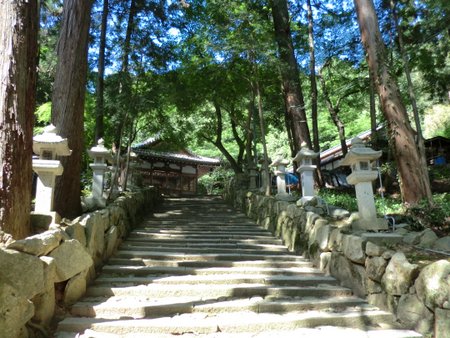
(197, 268)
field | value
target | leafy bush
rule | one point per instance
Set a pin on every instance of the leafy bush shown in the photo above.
(213, 183)
(339, 198)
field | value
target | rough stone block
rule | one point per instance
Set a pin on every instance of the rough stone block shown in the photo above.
(354, 248)
(44, 303)
(433, 284)
(442, 323)
(111, 241)
(75, 288)
(427, 238)
(40, 244)
(71, 258)
(15, 310)
(375, 268)
(373, 249)
(13, 264)
(442, 244)
(351, 275)
(414, 315)
(399, 275)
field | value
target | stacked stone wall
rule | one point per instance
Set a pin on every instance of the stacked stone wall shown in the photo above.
(417, 294)
(42, 274)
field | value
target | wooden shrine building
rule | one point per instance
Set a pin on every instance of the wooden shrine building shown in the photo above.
(175, 171)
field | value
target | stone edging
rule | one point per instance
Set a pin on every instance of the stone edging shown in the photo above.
(58, 263)
(418, 296)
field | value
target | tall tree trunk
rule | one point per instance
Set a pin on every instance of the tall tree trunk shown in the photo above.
(19, 25)
(372, 105)
(312, 77)
(262, 126)
(412, 96)
(414, 180)
(68, 101)
(293, 95)
(218, 141)
(99, 114)
(125, 93)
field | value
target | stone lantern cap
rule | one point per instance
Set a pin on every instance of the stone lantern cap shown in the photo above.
(279, 161)
(305, 153)
(359, 152)
(51, 143)
(99, 150)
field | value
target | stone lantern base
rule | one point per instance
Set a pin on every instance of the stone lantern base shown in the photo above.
(44, 221)
(374, 224)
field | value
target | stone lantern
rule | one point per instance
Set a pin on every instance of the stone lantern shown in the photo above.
(99, 154)
(253, 175)
(360, 159)
(280, 172)
(306, 168)
(47, 146)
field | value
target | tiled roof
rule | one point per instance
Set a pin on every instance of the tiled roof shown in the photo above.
(175, 157)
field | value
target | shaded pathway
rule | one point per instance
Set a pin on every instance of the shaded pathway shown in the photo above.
(199, 268)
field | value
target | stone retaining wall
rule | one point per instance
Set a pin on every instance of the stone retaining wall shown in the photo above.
(417, 294)
(44, 273)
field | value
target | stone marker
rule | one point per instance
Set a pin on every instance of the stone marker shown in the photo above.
(304, 159)
(360, 159)
(48, 145)
(99, 154)
(280, 172)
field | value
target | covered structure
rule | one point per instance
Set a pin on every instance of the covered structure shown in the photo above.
(174, 170)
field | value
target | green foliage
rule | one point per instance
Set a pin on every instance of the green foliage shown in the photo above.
(345, 200)
(43, 116)
(213, 183)
(435, 216)
(437, 121)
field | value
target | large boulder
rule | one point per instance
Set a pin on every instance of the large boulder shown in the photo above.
(354, 248)
(433, 284)
(399, 275)
(414, 315)
(24, 271)
(40, 244)
(15, 310)
(71, 258)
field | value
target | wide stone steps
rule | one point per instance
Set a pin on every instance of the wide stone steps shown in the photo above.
(196, 268)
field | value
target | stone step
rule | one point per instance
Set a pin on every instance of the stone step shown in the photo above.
(193, 235)
(116, 307)
(188, 230)
(197, 268)
(197, 241)
(235, 322)
(317, 332)
(197, 223)
(278, 250)
(209, 264)
(204, 244)
(302, 279)
(209, 272)
(180, 256)
(215, 291)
